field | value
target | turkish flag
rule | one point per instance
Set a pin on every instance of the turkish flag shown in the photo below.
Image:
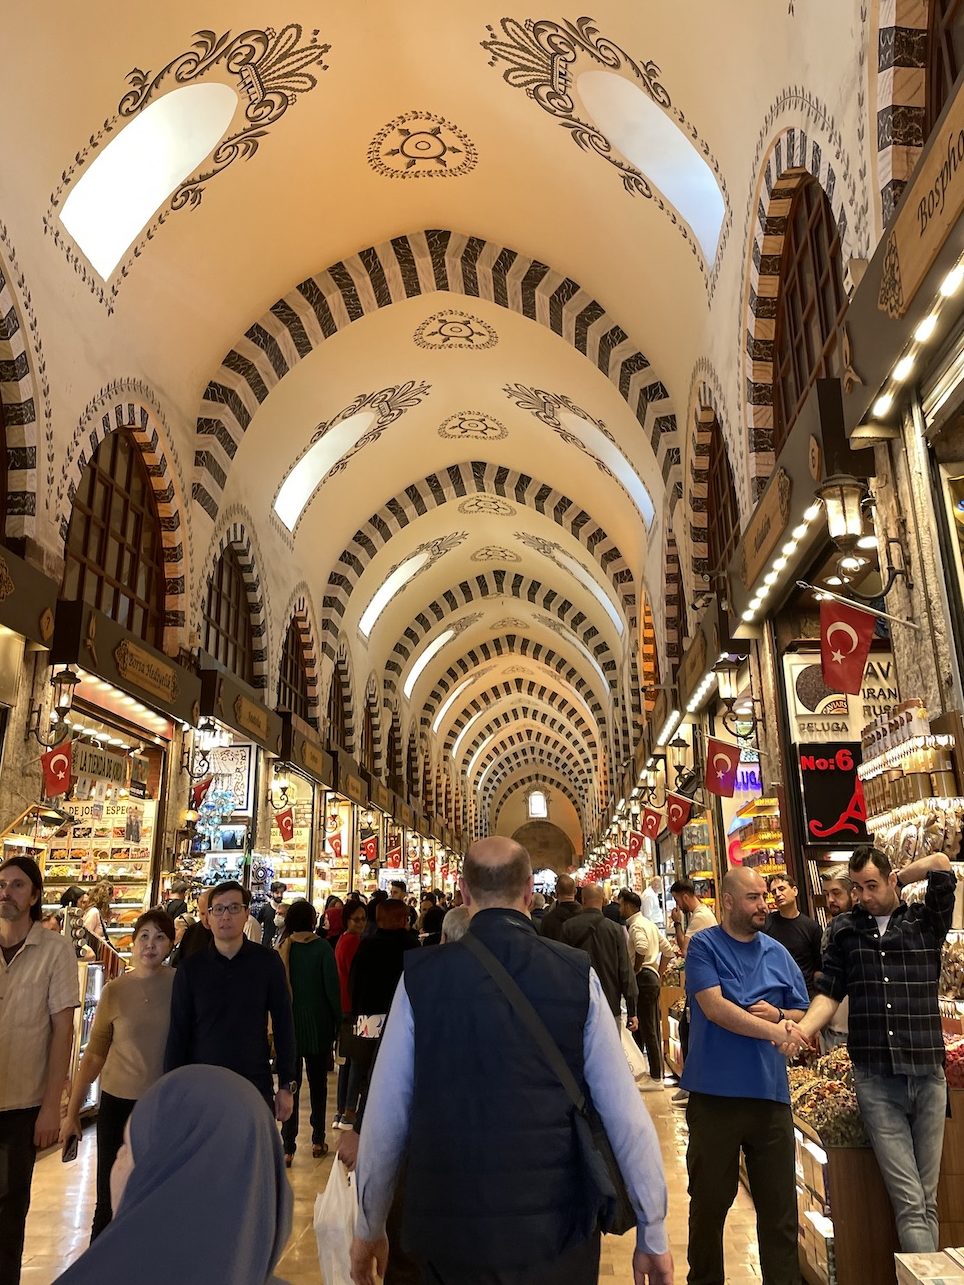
(722, 765)
(200, 790)
(57, 764)
(444, 872)
(619, 858)
(652, 822)
(845, 636)
(678, 812)
(369, 849)
(394, 858)
(415, 866)
(635, 843)
(285, 821)
(334, 842)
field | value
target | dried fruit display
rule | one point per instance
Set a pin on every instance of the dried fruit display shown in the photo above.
(831, 1110)
(955, 1060)
(952, 969)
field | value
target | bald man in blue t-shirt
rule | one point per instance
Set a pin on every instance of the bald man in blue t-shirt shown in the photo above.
(742, 986)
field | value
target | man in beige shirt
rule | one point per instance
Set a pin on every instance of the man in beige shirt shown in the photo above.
(38, 995)
(689, 917)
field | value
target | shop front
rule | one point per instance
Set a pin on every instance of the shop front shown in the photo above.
(28, 602)
(349, 825)
(122, 706)
(296, 794)
(401, 857)
(229, 763)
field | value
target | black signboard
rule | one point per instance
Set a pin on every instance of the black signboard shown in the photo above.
(835, 814)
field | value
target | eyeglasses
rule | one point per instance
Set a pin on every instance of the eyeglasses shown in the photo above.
(235, 908)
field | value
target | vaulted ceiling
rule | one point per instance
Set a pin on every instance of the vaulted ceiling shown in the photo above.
(417, 266)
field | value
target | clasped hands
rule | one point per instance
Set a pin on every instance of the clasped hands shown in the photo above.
(791, 1039)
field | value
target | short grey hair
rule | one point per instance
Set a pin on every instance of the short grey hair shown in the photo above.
(455, 924)
(838, 874)
(538, 901)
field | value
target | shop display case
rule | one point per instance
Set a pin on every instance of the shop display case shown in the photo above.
(291, 856)
(699, 863)
(757, 828)
(92, 982)
(333, 873)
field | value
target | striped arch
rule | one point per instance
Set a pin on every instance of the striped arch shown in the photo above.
(496, 584)
(421, 263)
(530, 719)
(675, 603)
(343, 667)
(649, 657)
(701, 435)
(457, 482)
(534, 744)
(18, 403)
(901, 91)
(374, 707)
(510, 689)
(792, 157)
(236, 532)
(300, 613)
(540, 757)
(113, 413)
(523, 648)
(553, 779)
(393, 752)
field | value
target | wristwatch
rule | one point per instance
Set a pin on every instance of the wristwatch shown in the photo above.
(781, 1016)
(291, 1086)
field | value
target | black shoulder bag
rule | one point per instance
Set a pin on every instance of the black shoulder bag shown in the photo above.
(605, 1188)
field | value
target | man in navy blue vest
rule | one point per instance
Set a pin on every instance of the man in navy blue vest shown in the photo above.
(493, 1180)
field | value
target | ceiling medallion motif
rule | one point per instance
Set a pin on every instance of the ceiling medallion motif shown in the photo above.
(421, 145)
(487, 504)
(272, 71)
(514, 670)
(436, 549)
(475, 425)
(540, 57)
(511, 624)
(454, 329)
(495, 553)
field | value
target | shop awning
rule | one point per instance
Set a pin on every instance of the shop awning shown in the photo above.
(28, 600)
(239, 707)
(302, 748)
(349, 780)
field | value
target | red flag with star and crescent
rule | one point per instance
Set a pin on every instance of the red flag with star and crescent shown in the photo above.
(285, 822)
(199, 791)
(651, 823)
(369, 849)
(334, 842)
(619, 858)
(722, 765)
(679, 809)
(635, 843)
(846, 633)
(393, 858)
(57, 764)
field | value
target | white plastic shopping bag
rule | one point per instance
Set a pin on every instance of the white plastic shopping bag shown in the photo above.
(633, 1056)
(335, 1210)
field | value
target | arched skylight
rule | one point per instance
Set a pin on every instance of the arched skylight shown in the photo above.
(587, 655)
(434, 647)
(313, 467)
(613, 458)
(650, 138)
(589, 581)
(465, 731)
(139, 169)
(453, 697)
(396, 581)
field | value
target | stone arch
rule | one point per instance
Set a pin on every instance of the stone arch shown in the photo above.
(300, 613)
(18, 402)
(527, 715)
(393, 747)
(519, 687)
(546, 777)
(374, 707)
(342, 666)
(793, 156)
(237, 533)
(110, 411)
(421, 263)
(900, 80)
(535, 748)
(675, 613)
(463, 481)
(495, 584)
(542, 758)
(649, 657)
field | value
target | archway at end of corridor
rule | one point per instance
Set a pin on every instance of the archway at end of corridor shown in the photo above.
(549, 847)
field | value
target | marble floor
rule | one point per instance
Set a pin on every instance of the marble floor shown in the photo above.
(59, 1224)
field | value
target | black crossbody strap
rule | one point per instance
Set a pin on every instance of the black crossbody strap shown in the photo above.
(529, 1017)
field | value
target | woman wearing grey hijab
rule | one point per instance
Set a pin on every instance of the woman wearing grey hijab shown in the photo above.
(199, 1188)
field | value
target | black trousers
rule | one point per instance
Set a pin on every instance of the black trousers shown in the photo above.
(647, 1012)
(17, 1155)
(578, 1266)
(316, 1071)
(112, 1116)
(719, 1129)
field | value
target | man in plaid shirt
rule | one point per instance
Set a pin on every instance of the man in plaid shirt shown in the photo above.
(886, 956)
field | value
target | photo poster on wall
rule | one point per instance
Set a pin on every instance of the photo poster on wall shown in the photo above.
(817, 713)
(233, 768)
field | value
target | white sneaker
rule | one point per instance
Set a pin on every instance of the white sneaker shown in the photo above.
(336, 1122)
(680, 1098)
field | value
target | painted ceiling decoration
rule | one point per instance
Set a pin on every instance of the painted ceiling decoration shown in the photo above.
(487, 504)
(453, 330)
(272, 69)
(561, 558)
(419, 144)
(547, 59)
(335, 443)
(421, 662)
(404, 572)
(495, 553)
(498, 694)
(473, 424)
(393, 272)
(545, 689)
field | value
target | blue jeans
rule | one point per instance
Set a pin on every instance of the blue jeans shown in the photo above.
(904, 1117)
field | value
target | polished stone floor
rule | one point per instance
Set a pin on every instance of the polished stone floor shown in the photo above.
(59, 1223)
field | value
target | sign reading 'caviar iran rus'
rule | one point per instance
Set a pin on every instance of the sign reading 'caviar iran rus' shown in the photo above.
(927, 214)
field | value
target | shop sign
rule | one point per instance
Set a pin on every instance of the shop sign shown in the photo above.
(141, 668)
(252, 718)
(313, 758)
(406, 815)
(101, 765)
(27, 599)
(817, 713)
(381, 796)
(766, 527)
(692, 668)
(927, 214)
(833, 800)
(138, 789)
(353, 787)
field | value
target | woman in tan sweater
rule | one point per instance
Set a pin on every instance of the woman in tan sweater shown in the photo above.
(126, 1048)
